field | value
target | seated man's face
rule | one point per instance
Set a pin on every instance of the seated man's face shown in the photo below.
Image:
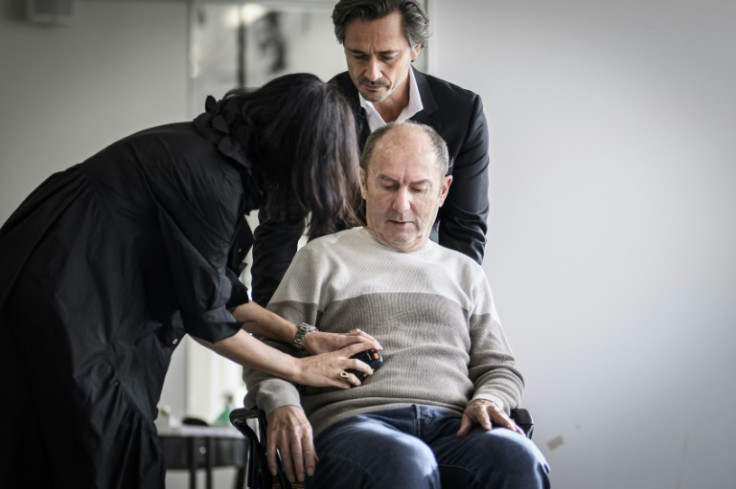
(403, 188)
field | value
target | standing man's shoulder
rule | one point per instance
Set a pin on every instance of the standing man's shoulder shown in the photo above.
(446, 94)
(457, 114)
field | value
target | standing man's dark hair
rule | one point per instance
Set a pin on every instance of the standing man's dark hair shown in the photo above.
(381, 39)
(414, 19)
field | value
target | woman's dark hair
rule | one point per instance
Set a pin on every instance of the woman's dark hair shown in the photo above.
(302, 138)
(413, 17)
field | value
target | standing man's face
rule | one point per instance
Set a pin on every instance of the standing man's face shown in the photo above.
(378, 56)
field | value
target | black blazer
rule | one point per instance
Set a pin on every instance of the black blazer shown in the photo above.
(457, 115)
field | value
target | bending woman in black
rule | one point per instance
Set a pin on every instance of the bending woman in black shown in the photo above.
(107, 265)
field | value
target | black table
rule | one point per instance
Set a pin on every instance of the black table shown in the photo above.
(203, 447)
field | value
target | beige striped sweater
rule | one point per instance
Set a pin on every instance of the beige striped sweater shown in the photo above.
(432, 310)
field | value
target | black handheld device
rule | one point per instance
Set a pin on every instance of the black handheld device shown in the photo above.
(372, 357)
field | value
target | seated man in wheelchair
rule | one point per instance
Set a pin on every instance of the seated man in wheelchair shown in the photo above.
(436, 413)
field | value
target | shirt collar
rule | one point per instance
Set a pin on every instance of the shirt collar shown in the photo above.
(415, 105)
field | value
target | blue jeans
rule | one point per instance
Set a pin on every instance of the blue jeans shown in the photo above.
(417, 447)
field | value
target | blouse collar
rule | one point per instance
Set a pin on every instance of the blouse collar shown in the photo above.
(223, 124)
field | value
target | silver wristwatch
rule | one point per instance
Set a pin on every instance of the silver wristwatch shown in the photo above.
(301, 332)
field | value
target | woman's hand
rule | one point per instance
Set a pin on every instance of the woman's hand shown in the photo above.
(330, 369)
(318, 342)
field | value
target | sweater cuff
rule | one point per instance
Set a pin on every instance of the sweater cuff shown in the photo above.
(494, 399)
(273, 393)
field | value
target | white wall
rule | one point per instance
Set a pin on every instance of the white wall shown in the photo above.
(66, 92)
(612, 227)
(613, 175)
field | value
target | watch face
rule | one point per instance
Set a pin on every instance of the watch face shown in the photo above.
(304, 328)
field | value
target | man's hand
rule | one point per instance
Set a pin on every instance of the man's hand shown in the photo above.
(487, 415)
(289, 430)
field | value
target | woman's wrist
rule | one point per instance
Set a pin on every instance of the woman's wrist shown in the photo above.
(303, 330)
(295, 370)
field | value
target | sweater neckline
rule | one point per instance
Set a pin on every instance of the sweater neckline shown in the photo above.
(368, 236)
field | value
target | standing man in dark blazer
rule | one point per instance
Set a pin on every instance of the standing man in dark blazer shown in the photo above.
(381, 39)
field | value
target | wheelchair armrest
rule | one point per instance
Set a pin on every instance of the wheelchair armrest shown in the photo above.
(240, 416)
(257, 468)
(523, 418)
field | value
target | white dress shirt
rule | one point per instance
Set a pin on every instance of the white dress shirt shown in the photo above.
(415, 105)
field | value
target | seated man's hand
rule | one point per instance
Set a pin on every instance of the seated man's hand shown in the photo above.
(289, 430)
(487, 415)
